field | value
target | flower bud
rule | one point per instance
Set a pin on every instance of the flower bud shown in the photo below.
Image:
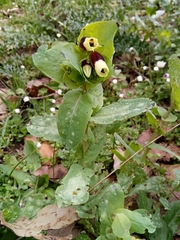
(88, 44)
(86, 68)
(99, 64)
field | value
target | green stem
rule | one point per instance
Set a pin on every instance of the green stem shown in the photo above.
(169, 111)
(147, 148)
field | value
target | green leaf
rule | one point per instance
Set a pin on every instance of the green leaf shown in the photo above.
(112, 199)
(49, 60)
(164, 232)
(174, 71)
(95, 147)
(74, 186)
(73, 55)
(121, 226)
(172, 217)
(153, 184)
(74, 114)
(104, 31)
(159, 147)
(45, 127)
(162, 112)
(139, 222)
(21, 177)
(165, 203)
(176, 181)
(152, 119)
(32, 157)
(122, 110)
(82, 236)
(32, 204)
(143, 201)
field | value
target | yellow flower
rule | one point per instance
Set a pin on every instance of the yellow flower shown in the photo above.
(89, 44)
(101, 68)
(99, 64)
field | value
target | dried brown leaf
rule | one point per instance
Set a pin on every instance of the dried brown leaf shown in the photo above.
(50, 217)
(56, 172)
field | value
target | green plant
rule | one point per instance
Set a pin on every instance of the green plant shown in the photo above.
(83, 127)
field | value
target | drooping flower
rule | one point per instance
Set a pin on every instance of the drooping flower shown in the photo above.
(99, 64)
(52, 109)
(17, 110)
(26, 99)
(114, 81)
(139, 78)
(156, 68)
(145, 67)
(87, 68)
(89, 44)
(59, 91)
(160, 64)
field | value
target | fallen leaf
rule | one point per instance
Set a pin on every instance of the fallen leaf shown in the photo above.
(46, 150)
(169, 170)
(56, 172)
(34, 86)
(145, 137)
(3, 108)
(50, 217)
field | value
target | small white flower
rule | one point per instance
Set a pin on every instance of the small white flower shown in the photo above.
(52, 110)
(168, 80)
(117, 72)
(59, 91)
(121, 95)
(160, 64)
(35, 2)
(38, 144)
(114, 81)
(132, 18)
(26, 99)
(53, 101)
(145, 67)
(22, 67)
(58, 35)
(131, 49)
(139, 78)
(17, 110)
(156, 69)
(10, 16)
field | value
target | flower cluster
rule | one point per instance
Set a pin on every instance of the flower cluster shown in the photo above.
(95, 59)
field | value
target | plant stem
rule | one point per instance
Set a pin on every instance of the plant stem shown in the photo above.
(169, 111)
(148, 149)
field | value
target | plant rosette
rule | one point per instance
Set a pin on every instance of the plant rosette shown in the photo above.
(84, 64)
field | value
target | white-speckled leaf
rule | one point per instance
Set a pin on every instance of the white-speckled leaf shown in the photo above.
(122, 110)
(45, 127)
(48, 60)
(75, 185)
(73, 116)
(174, 71)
